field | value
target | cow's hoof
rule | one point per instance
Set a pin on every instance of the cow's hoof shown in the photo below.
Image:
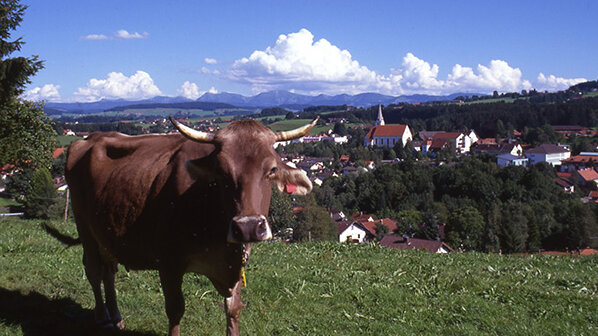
(106, 324)
(119, 325)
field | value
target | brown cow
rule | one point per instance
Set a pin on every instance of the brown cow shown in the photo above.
(164, 202)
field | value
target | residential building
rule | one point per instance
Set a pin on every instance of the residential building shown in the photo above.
(352, 232)
(587, 176)
(549, 153)
(457, 140)
(508, 159)
(406, 243)
(583, 160)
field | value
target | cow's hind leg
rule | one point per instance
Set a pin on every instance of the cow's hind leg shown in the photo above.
(173, 297)
(108, 278)
(232, 307)
(93, 270)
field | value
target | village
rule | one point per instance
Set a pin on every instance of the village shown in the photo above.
(571, 171)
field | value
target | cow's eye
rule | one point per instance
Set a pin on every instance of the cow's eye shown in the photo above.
(273, 171)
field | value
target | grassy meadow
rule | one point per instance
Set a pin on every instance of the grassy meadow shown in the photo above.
(308, 289)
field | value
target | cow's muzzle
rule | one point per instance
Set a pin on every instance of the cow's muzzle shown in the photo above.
(248, 229)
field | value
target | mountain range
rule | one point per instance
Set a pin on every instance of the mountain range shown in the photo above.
(282, 99)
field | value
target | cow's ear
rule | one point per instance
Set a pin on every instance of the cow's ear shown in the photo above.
(293, 181)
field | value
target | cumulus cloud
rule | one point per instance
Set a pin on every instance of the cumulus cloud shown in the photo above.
(118, 86)
(499, 75)
(208, 60)
(191, 90)
(295, 61)
(119, 35)
(553, 83)
(416, 75)
(48, 92)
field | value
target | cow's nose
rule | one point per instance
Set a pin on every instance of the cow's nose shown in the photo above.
(247, 229)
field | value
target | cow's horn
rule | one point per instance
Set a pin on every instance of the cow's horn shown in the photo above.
(192, 134)
(297, 132)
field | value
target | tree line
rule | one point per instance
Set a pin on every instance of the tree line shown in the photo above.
(482, 207)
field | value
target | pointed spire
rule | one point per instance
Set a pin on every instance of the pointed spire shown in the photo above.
(380, 120)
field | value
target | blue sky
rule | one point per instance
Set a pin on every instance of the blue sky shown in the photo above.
(138, 49)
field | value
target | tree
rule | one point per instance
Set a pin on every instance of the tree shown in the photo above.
(340, 129)
(314, 223)
(514, 229)
(281, 212)
(26, 135)
(465, 227)
(40, 196)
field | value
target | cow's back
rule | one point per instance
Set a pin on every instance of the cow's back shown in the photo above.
(112, 178)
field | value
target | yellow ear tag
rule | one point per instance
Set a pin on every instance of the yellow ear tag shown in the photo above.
(243, 278)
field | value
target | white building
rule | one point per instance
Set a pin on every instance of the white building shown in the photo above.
(351, 232)
(508, 159)
(383, 135)
(550, 153)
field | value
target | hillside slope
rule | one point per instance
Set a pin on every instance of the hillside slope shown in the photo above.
(310, 289)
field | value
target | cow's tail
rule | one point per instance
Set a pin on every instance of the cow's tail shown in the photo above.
(61, 237)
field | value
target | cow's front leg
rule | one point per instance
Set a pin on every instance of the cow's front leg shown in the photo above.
(173, 296)
(233, 306)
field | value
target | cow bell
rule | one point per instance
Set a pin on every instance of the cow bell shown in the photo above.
(249, 229)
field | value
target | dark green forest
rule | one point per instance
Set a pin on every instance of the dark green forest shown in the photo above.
(484, 207)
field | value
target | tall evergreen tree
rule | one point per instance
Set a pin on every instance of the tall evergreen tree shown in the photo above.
(26, 135)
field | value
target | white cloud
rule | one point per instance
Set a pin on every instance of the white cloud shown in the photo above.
(208, 60)
(119, 35)
(295, 61)
(205, 70)
(95, 37)
(416, 75)
(191, 91)
(138, 86)
(499, 75)
(553, 83)
(48, 92)
(125, 35)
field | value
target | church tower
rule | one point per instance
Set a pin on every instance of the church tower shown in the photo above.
(380, 120)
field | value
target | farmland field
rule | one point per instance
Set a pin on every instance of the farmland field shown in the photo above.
(285, 125)
(309, 289)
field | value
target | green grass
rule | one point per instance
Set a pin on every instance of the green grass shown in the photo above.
(6, 203)
(285, 125)
(65, 140)
(310, 289)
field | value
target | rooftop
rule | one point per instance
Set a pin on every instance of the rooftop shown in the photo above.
(547, 149)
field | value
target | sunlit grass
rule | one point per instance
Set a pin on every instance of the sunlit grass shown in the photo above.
(309, 289)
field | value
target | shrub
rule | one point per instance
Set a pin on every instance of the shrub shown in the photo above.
(41, 195)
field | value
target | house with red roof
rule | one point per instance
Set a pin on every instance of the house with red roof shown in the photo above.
(439, 139)
(576, 162)
(383, 135)
(587, 176)
(57, 152)
(354, 232)
(407, 243)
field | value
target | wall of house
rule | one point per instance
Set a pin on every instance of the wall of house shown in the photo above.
(353, 233)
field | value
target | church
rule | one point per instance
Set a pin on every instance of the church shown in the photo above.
(383, 135)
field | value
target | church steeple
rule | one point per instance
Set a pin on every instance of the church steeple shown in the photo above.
(380, 120)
